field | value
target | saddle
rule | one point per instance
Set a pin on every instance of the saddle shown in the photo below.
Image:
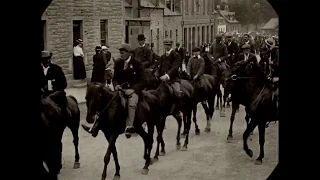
(142, 101)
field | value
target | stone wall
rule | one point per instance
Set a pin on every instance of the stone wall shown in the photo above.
(173, 24)
(59, 18)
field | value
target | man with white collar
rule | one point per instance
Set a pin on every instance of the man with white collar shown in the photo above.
(246, 40)
(168, 70)
(233, 49)
(195, 69)
(247, 55)
(143, 53)
(180, 51)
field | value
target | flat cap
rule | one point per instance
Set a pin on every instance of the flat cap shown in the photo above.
(168, 42)
(196, 49)
(126, 47)
(246, 46)
(228, 35)
(98, 48)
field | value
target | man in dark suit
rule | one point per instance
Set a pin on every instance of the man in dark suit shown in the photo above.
(143, 53)
(168, 70)
(219, 49)
(233, 50)
(180, 51)
(53, 78)
(127, 70)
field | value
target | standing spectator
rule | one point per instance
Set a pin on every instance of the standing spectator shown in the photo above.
(79, 70)
(98, 66)
(143, 53)
(109, 68)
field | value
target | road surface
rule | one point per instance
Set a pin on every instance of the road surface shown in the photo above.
(209, 156)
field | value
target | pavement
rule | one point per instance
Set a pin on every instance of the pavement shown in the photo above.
(78, 93)
(209, 155)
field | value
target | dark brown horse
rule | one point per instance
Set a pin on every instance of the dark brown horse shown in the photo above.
(112, 114)
(251, 88)
(55, 122)
(165, 95)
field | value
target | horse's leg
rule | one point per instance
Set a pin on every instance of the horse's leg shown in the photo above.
(222, 106)
(194, 118)
(262, 129)
(186, 141)
(162, 125)
(252, 124)
(75, 134)
(225, 95)
(247, 118)
(148, 145)
(218, 97)
(179, 120)
(233, 113)
(116, 162)
(150, 135)
(112, 145)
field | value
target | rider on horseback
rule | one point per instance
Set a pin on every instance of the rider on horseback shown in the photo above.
(219, 49)
(168, 70)
(53, 80)
(233, 50)
(195, 69)
(129, 71)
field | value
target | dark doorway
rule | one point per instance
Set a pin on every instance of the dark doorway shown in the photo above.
(43, 35)
(77, 31)
(127, 32)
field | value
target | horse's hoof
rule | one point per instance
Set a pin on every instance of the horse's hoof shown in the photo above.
(197, 132)
(217, 108)
(162, 153)
(249, 152)
(222, 114)
(178, 146)
(258, 162)
(154, 160)
(145, 171)
(207, 129)
(184, 148)
(116, 177)
(229, 138)
(76, 165)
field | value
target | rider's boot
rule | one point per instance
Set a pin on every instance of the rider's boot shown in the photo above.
(130, 119)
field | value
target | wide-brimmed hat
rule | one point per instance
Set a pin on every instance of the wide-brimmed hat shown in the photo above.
(269, 42)
(126, 47)
(246, 46)
(79, 41)
(167, 42)
(46, 54)
(104, 48)
(141, 37)
(98, 48)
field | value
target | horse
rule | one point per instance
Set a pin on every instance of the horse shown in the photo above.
(216, 68)
(108, 107)
(165, 95)
(206, 98)
(55, 122)
(251, 88)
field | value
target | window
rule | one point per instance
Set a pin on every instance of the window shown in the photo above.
(104, 32)
(151, 36)
(43, 43)
(185, 38)
(168, 4)
(173, 5)
(186, 7)
(170, 34)
(177, 36)
(192, 6)
(199, 37)
(204, 7)
(166, 34)
(203, 35)
(198, 6)
(208, 34)
(212, 32)
(209, 6)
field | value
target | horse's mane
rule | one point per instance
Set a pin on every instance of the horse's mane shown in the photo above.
(50, 109)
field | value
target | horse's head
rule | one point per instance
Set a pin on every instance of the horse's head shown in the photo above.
(229, 75)
(164, 91)
(96, 98)
(152, 81)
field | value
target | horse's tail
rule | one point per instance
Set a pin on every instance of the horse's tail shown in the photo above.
(73, 98)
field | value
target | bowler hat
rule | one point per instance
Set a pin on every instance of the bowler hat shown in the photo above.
(196, 49)
(246, 46)
(125, 47)
(46, 54)
(141, 37)
(168, 42)
(98, 48)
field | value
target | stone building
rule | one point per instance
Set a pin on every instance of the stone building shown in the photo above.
(225, 20)
(96, 22)
(198, 22)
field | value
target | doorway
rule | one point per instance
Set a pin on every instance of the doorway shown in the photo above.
(77, 31)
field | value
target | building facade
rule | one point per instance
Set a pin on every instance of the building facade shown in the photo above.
(96, 22)
(197, 22)
(225, 20)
